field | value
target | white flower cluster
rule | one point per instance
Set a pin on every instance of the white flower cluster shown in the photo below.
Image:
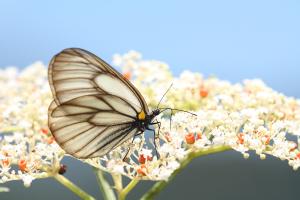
(244, 117)
(248, 116)
(27, 149)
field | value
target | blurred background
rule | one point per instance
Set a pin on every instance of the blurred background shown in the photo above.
(233, 40)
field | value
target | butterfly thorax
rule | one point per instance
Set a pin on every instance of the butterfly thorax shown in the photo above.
(145, 120)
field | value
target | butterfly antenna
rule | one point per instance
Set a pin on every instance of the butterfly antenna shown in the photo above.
(174, 109)
(164, 95)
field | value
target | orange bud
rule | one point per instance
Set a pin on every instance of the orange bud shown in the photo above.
(45, 131)
(50, 140)
(142, 170)
(241, 138)
(127, 75)
(22, 165)
(199, 135)
(294, 147)
(267, 139)
(203, 92)
(149, 158)
(5, 162)
(190, 138)
(142, 158)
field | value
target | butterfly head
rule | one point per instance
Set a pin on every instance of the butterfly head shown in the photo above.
(153, 114)
(156, 112)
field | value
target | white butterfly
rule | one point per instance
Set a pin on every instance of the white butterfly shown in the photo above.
(95, 109)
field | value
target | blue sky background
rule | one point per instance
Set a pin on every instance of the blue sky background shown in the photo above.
(231, 39)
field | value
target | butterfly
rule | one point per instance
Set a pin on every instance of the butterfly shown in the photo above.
(95, 108)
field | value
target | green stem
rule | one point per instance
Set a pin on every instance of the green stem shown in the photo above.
(118, 183)
(157, 187)
(105, 188)
(127, 189)
(74, 188)
(4, 189)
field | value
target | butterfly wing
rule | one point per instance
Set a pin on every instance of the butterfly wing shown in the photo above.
(94, 107)
(76, 72)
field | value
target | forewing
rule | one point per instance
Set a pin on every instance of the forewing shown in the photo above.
(76, 72)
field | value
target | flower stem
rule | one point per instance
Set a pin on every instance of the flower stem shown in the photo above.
(127, 189)
(74, 188)
(157, 187)
(118, 184)
(106, 189)
(4, 189)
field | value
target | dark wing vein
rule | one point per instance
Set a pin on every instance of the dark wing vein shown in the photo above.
(114, 142)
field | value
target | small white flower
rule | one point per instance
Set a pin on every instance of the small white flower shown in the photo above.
(27, 179)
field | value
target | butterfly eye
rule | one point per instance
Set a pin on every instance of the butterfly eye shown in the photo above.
(156, 112)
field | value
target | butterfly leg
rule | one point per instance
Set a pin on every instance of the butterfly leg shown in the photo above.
(125, 158)
(159, 125)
